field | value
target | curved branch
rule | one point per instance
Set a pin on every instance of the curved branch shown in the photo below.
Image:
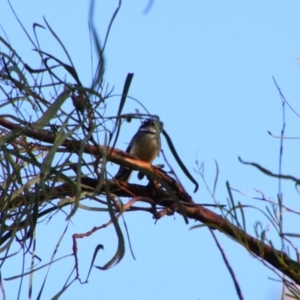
(160, 196)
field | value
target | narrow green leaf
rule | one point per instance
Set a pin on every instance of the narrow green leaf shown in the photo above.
(51, 111)
(179, 161)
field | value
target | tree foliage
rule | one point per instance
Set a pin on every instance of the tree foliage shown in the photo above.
(56, 143)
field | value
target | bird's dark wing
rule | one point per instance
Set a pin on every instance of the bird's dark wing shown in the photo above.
(124, 173)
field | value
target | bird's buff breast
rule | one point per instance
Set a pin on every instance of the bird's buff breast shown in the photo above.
(146, 150)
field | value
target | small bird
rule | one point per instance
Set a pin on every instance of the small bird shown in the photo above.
(145, 145)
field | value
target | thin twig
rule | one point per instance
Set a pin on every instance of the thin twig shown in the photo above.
(236, 284)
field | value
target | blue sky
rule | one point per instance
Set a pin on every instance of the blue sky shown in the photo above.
(205, 67)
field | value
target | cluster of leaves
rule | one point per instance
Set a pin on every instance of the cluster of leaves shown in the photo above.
(53, 128)
(56, 141)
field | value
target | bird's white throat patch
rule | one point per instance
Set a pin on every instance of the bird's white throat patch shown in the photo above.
(148, 130)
